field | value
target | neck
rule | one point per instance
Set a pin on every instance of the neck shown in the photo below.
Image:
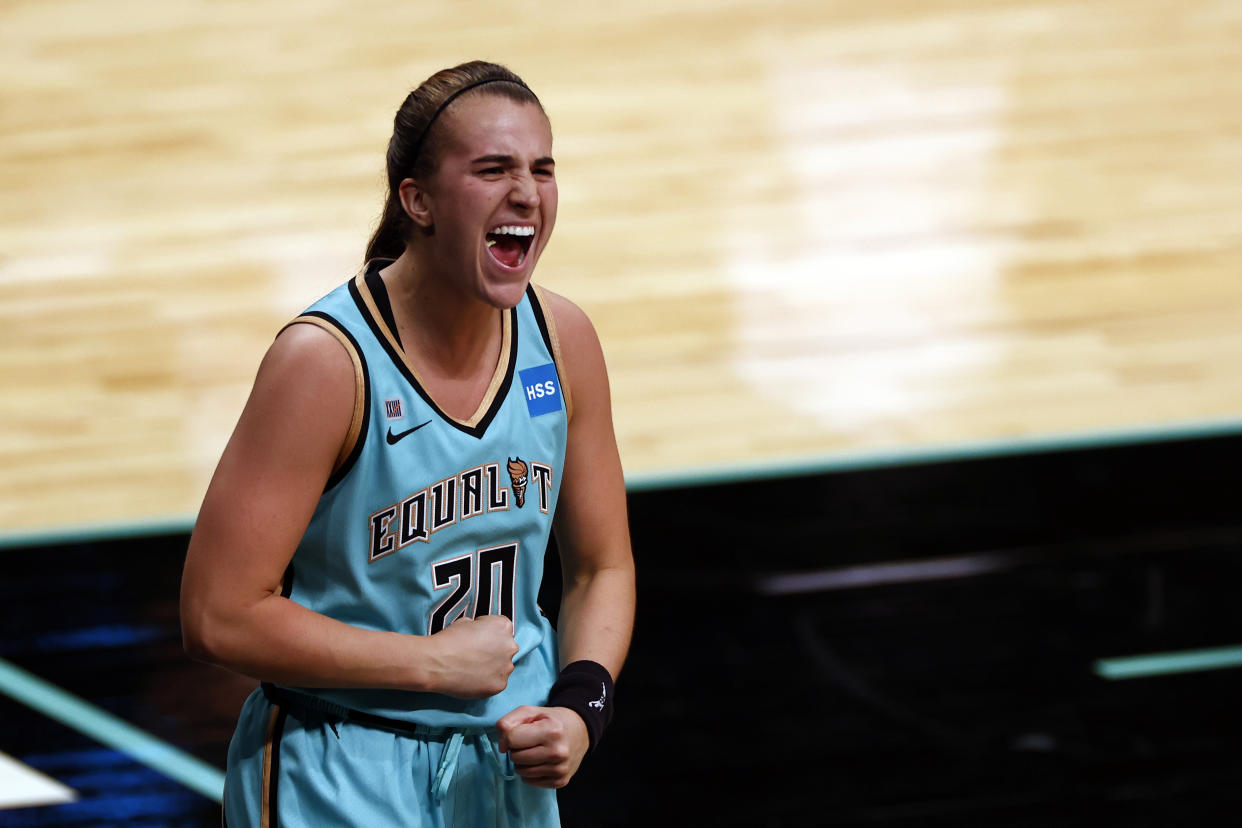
(455, 331)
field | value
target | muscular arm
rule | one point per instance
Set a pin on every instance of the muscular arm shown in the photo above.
(257, 506)
(592, 532)
(592, 528)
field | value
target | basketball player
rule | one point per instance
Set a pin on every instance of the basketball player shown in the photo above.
(371, 545)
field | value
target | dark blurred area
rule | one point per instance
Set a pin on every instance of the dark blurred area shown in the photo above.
(902, 645)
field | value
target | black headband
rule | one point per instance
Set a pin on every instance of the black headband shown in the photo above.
(418, 147)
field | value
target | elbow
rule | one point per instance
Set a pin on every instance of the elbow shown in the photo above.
(201, 635)
(195, 645)
(617, 576)
(194, 641)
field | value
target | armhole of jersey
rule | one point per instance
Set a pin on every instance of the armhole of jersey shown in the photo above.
(547, 324)
(352, 445)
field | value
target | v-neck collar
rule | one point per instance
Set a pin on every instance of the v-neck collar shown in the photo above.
(371, 297)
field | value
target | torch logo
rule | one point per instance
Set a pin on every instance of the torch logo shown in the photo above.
(518, 472)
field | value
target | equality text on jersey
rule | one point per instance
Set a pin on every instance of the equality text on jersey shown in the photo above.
(476, 491)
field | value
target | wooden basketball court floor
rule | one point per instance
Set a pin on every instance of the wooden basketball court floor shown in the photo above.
(812, 236)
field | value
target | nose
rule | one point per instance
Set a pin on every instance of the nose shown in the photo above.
(525, 192)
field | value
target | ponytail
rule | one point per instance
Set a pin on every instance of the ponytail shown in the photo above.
(388, 240)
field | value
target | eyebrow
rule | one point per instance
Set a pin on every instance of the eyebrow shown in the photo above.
(509, 160)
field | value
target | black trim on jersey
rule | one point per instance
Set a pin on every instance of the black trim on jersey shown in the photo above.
(305, 706)
(340, 473)
(273, 780)
(537, 308)
(379, 292)
(286, 584)
(497, 401)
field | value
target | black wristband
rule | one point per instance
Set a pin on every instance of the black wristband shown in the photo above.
(586, 688)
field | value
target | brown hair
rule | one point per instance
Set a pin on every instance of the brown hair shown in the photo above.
(417, 138)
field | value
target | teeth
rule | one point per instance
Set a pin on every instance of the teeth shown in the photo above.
(513, 230)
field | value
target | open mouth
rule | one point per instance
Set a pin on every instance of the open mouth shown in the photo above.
(509, 243)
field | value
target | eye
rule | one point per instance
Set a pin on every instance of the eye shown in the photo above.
(544, 172)
(492, 171)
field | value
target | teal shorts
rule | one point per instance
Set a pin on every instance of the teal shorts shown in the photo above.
(298, 768)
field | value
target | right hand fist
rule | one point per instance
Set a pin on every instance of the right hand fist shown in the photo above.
(474, 656)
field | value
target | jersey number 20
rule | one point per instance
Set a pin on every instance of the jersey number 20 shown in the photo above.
(485, 577)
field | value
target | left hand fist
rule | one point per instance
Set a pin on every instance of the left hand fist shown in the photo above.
(546, 744)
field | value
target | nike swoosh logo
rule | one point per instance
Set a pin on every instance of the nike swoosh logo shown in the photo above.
(393, 438)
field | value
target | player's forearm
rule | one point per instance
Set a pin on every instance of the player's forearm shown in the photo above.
(277, 640)
(597, 617)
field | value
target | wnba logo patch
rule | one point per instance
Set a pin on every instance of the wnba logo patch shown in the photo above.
(392, 409)
(542, 390)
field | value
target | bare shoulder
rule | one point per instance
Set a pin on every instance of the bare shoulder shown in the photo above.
(306, 381)
(309, 356)
(582, 356)
(573, 326)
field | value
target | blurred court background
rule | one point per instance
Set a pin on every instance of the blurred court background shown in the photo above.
(923, 321)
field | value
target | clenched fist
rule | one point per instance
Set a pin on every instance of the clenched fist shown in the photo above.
(472, 658)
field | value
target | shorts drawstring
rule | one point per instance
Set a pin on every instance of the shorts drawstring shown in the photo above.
(307, 705)
(448, 766)
(452, 751)
(501, 762)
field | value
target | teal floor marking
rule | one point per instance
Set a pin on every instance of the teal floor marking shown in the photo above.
(731, 473)
(1163, 664)
(862, 460)
(97, 532)
(84, 717)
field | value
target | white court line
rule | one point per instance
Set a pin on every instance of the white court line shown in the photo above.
(21, 786)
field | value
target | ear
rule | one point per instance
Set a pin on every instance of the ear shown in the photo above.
(417, 203)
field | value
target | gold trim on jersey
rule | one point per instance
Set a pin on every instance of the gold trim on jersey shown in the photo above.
(268, 781)
(360, 392)
(498, 377)
(550, 321)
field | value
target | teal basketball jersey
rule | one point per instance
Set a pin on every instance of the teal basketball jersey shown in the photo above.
(428, 518)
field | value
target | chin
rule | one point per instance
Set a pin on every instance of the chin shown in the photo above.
(504, 287)
(506, 295)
